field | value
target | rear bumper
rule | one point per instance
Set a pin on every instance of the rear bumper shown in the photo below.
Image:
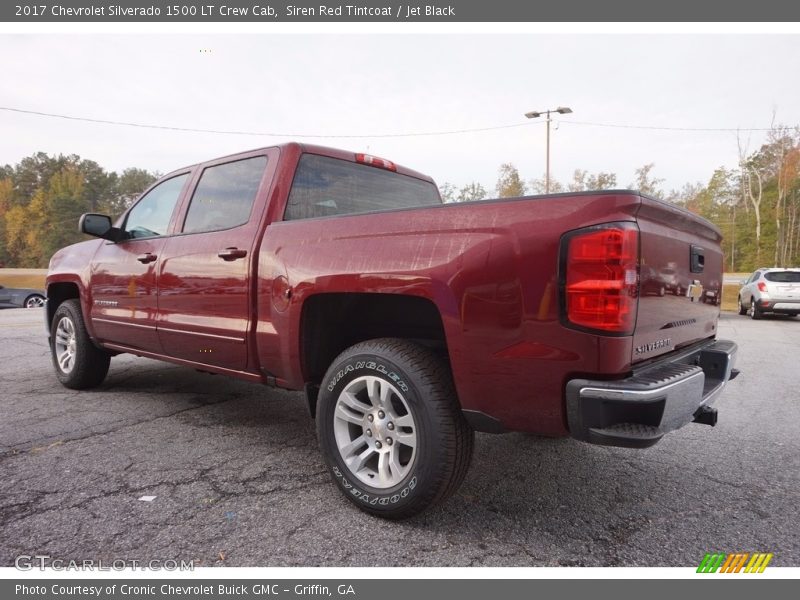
(777, 305)
(637, 411)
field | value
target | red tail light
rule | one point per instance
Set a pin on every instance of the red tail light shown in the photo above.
(762, 287)
(601, 278)
(374, 161)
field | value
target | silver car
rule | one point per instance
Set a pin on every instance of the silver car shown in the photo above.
(771, 291)
(21, 298)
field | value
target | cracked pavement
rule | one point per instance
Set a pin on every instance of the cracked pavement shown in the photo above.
(239, 481)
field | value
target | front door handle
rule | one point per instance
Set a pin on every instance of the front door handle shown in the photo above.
(147, 257)
(229, 254)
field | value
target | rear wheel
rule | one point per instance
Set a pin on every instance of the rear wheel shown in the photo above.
(79, 363)
(34, 301)
(391, 429)
(742, 307)
(755, 312)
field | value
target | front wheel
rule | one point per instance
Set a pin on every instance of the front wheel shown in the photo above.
(390, 428)
(79, 363)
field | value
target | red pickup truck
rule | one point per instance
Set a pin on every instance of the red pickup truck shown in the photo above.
(409, 323)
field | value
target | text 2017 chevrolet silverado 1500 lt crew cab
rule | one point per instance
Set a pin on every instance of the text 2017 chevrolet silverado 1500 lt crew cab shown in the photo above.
(409, 323)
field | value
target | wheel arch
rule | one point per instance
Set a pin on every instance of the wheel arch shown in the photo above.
(57, 293)
(332, 322)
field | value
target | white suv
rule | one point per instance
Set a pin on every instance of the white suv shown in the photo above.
(771, 291)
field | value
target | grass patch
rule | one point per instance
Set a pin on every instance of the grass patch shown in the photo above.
(730, 295)
(23, 278)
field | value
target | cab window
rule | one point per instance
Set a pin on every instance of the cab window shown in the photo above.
(224, 195)
(151, 215)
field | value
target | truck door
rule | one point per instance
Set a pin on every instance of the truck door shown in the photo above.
(122, 279)
(204, 298)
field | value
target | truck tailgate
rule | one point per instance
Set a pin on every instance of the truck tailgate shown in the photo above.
(680, 279)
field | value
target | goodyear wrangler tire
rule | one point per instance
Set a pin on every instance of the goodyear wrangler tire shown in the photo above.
(391, 429)
(79, 364)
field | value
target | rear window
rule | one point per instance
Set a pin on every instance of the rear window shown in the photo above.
(325, 186)
(783, 276)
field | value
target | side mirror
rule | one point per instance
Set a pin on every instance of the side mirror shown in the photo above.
(99, 226)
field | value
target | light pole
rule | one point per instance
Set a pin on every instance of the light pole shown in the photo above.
(562, 110)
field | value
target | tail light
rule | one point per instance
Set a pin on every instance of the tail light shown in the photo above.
(374, 161)
(600, 278)
(762, 287)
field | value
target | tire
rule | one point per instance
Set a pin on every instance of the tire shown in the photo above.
(755, 312)
(390, 477)
(86, 366)
(34, 301)
(742, 307)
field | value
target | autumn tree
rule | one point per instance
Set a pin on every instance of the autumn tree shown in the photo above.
(539, 186)
(42, 197)
(646, 183)
(471, 191)
(509, 183)
(584, 181)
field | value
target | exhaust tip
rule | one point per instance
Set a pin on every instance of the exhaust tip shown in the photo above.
(706, 415)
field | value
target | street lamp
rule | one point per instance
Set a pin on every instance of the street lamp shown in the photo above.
(562, 110)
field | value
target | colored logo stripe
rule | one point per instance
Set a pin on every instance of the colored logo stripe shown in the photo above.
(758, 563)
(711, 562)
(733, 563)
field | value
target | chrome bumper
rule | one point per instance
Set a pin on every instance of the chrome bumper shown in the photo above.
(664, 396)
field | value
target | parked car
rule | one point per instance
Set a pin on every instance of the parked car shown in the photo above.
(650, 282)
(21, 298)
(673, 281)
(408, 323)
(775, 291)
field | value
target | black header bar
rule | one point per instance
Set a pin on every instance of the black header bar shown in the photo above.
(374, 11)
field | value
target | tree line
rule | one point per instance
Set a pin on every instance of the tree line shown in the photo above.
(42, 197)
(756, 204)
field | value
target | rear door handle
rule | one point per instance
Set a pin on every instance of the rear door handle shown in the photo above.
(229, 254)
(147, 257)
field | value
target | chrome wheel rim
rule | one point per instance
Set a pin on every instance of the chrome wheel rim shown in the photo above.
(375, 432)
(752, 310)
(66, 345)
(35, 302)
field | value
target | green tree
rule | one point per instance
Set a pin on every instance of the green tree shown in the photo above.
(130, 185)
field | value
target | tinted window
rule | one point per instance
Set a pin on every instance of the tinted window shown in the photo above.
(326, 186)
(224, 195)
(783, 276)
(150, 217)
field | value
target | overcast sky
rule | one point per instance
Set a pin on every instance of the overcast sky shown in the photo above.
(329, 85)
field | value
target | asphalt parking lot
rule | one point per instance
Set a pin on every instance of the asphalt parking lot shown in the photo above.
(238, 479)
